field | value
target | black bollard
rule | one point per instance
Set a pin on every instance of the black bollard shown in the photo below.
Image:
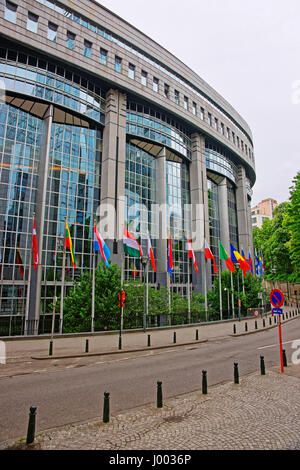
(86, 345)
(264, 323)
(204, 382)
(236, 373)
(31, 425)
(51, 348)
(262, 365)
(120, 342)
(197, 335)
(106, 408)
(255, 324)
(149, 341)
(234, 329)
(159, 395)
(246, 327)
(270, 321)
(284, 358)
(174, 337)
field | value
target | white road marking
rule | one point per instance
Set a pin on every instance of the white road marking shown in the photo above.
(273, 345)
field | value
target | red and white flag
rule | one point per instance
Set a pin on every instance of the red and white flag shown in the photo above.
(35, 247)
(209, 255)
(150, 254)
(192, 255)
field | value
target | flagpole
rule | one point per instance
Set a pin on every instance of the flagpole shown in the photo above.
(220, 285)
(205, 290)
(189, 293)
(93, 289)
(232, 295)
(61, 315)
(28, 295)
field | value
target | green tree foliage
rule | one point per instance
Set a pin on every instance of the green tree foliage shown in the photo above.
(291, 223)
(279, 239)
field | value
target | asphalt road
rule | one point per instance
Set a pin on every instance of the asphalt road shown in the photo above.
(74, 393)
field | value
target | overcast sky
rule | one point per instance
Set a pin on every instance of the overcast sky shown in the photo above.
(249, 51)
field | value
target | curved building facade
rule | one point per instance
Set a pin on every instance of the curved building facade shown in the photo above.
(100, 122)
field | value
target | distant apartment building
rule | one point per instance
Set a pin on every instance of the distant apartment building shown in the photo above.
(262, 211)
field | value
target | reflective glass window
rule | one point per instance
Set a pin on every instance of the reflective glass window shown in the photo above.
(70, 40)
(32, 22)
(10, 13)
(52, 31)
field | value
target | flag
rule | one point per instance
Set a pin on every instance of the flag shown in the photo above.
(35, 247)
(242, 261)
(134, 270)
(260, 263)
(209, 255)
(19, 261)
(244, 257)
(100, 245)
(150, 254)
(170, 259)
(68, 243)
(225, 257)
(232, 255)
(192, 255)
(131, 246)
(250, 263)
(256, 263)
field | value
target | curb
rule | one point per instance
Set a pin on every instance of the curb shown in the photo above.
(108, 353)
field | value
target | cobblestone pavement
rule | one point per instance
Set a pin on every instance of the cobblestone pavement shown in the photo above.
(259, 413)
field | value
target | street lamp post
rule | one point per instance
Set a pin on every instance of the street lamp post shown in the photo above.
(273, 279)
(227, 290)
(145, 260)
(238, 286)
(53, 316)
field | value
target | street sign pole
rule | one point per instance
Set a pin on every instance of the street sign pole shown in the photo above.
(280, 344)
(277, 299)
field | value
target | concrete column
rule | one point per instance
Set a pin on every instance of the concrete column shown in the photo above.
(199, 210)
(224, 218)
(161, 219)
(112, 206)
(36, 276)
(242, 209)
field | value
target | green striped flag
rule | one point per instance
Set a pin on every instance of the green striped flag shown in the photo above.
(131, 246)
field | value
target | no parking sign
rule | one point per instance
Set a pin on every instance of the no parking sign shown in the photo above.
(277, 299)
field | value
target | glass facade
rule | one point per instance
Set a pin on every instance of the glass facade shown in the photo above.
(214, 219)
(73, 194)
(20, 139)
(178, 215)
(232, 216)
(140, 195)
(36, 77)
(146, 122)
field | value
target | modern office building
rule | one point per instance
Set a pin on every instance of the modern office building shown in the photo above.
(98, 121)
(263, 211)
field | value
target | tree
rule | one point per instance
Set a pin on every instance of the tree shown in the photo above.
(291, 223)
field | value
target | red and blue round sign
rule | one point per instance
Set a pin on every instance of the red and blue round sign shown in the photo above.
(277, 298)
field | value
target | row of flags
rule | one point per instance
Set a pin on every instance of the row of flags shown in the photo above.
(132, 248)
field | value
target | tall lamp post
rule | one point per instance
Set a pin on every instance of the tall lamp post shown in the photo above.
(273, 272)
(238, 286)
(227, 290)
(145, 260)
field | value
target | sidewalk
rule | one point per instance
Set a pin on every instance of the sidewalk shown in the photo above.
(259, 413)
(65, 346)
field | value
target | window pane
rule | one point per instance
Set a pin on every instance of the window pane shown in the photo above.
(11, 12)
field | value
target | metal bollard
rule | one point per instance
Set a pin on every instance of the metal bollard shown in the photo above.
(264, 323)
(174, 337)
(159, 397)
(120, 342)
(197, 335)
(149, 341)
(106, 408)
(284, 358)
(262, 365)
(246, 327)
(204, 382)
(255, 324)
(270, 321)
(236, 373)
(234, 329)
(31, 425)
(86, 345)
(51, 348)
